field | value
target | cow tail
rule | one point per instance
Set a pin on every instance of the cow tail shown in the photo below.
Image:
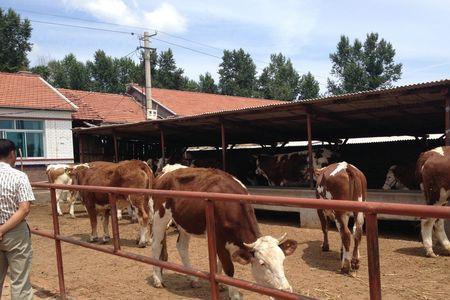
(355, 185)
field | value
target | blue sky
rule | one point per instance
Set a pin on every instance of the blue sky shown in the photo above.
(305, 31)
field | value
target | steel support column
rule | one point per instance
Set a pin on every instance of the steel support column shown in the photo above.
(310, 154)
(212, 251)
(224, 147)
(373, 256)
(59, 261)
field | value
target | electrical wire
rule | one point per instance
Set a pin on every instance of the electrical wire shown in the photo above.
(83, 27)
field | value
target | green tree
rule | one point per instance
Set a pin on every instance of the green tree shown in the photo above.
(237, 74)
(169, 76)
(67, 73)
(103, 72)
(279, 80)
(308, 87)
(14, 41)
(126, 71)
(359, 67)
(41, 70)
(206, 84)
(190, 85)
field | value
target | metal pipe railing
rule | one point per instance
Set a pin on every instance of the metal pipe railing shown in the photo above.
(370, 209)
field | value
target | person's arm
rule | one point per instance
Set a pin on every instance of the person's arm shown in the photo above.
(24, 196)
(16, 218)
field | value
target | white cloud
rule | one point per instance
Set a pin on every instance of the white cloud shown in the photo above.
(166, 18)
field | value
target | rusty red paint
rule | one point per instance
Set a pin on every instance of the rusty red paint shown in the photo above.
(371, 209)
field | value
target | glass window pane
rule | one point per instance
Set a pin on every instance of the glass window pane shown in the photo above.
(26, 124)
(18, 139)
(6, 124)
(35, 144)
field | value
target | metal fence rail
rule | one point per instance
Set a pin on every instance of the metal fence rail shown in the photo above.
(370, 210)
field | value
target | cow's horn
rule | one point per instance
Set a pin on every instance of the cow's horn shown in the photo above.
(282, 238)
(250, 245)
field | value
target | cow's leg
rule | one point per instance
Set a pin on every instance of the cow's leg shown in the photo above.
(92, 212)
(442, 236)
(357, 234)
(324, 224)
(426, 226)
(58, 200)
(119, 214)
(228, 268)
(183, 250)
(71, 200)
(342, 219)
(143, 220)
(105, 222)
(158, 242)
(219, 271)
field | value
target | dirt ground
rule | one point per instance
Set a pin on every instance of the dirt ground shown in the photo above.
(405, 272)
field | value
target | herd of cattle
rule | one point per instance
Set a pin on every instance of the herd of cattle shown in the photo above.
(238, 236)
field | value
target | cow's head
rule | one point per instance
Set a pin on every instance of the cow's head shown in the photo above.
(391, 180)
(74, 173)
(263, 164)
(267, 255)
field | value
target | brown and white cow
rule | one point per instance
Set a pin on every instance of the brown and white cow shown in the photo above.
(130, 174)
(237, 231)
(291, 169)
(433, 175)
(401, 177)
(342, 181)
(59, 174)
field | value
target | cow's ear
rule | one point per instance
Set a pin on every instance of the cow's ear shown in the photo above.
(288, 247)
(68, 171)
(244, 257)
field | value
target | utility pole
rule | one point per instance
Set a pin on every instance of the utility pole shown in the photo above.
(152, 114)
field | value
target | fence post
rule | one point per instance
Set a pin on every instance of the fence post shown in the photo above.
(212, 251)
(59, 262)
(373, 256)
(114, 222)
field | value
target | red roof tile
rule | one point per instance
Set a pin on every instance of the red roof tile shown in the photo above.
(26, 90)
(105, 107)
(185, 103)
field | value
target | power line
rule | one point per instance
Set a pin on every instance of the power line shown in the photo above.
(136, 27)
(84, 27)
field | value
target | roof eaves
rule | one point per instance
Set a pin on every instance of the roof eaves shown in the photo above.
(59, 94)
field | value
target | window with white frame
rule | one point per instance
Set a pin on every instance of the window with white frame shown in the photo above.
(28, 135)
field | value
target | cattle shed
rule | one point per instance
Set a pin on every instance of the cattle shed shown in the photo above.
(416, 110)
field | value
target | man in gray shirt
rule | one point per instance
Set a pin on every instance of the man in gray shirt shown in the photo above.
(15, 239)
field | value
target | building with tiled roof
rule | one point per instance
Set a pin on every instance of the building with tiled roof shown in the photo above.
(37, 118)
(104, 108)
(171, 103)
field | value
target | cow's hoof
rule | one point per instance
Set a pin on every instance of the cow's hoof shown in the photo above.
(142, 244)
(60, 214)
(195, 284)
(222, 288)
(346, 267)
(73, 216)
(105, 240)
(431, 254)
(157, 283)
(325, 248)
(355, 263)
(93, 240)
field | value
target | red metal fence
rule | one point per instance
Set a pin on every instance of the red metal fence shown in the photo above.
(370, 210)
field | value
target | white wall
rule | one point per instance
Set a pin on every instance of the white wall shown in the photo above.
(58, 139)
(58, 142)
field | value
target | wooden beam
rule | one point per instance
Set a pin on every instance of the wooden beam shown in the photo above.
(224, 146)
(116, 147)
(163, 146)
(80, 147)
(447, 120)
(310, 155)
